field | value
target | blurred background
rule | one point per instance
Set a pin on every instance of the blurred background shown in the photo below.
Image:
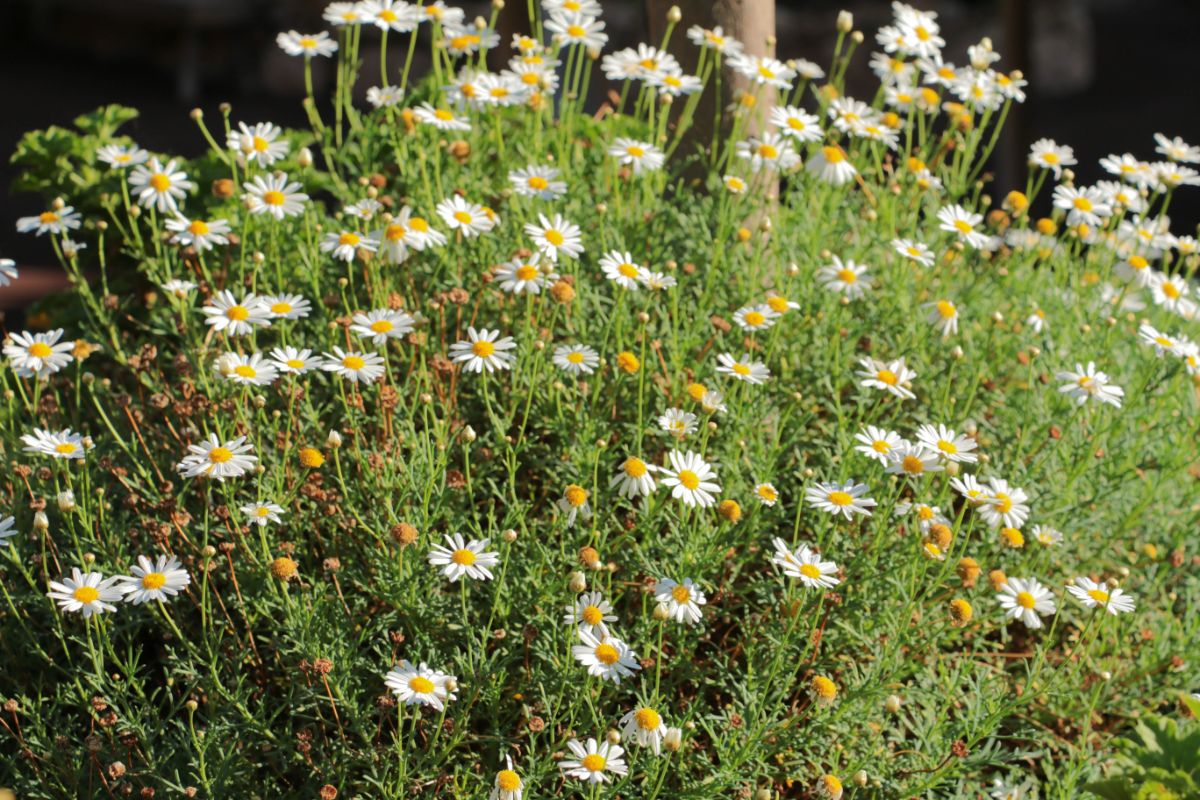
(1105, 75)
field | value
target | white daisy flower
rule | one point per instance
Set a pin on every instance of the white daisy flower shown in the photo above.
(160, 187)
(755, 318)
(385, 96)
(620, 268)
(947, 444)
(306, 44)
(556, 236)
(345, 245)
(845, 277)
(767, 494)
(483, 349)
(119, 156)
(1047, 536)
(198, 233)
(690, 478)
(830, 164)
(157, 580)
(354, 366)
(537, 181)
(39, 354)
(247, 370)
(682, 600)
(591, 613)
(85, 592)
(576, 359)
(56, 444)
(574, 503)
(633, 478)
(419, 685)
(607, 657)
(382, 324)
(469, 219)
(914, 251)
(259, 144)
(961, 222)
(846, 498)
(58, 221)
(677, 422)
(1100, 595)
(797, 124)
(293, 361)
(236, 318)
(460, 557)
(592, 762)
(520, 276)
(745, 369)
(1088, 383)
(261, 513)
(878, 443)
(575, 28)
(639, 156)
(1003, 506)
(440, 118)
(274, 195)
(286, 306)
(893, 377)
(1026, 600)
(1046, 154)
(213, 458)
(913, 460)
(805, 564)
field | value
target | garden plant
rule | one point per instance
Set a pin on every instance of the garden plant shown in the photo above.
(482, 440)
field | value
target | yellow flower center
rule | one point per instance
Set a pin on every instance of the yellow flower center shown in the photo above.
(273, 198)
(40, 350)
(962, 226)
(847, 276)
(295, 363)
(1082, 204)
(259, 144)
(1050, 158)
(1026, 600)
(681, 594)
(755, 318)
(840, 498)
(575, 496)
(688, 479)
(537, 182)
(47, 217)
(462, 217)
(443, 115)
(593, 763)
(767, 493)
(946, 309)
(607, 654)
(740, 369)
(382, 326)
(198, 227)
(86, 594)
(1003, 502)
(913, 465)
(1170, 290)
(154, 580)
(1099, 595)
(554, 237)
(219, 455)
(810, 571)
(507, 780)
(66, 448)
(160, 182)
(281, 308)
(880, 446)
(527, 272)
(577, 32)
(347, 238)
(245, 371)
(592, 615)
(766, 72)
(634, 467)
(354, 362)
(420, 685)
(648, 719)
(308, 43)
(949, 448)
(483, 348)
(778, 304)
(394, 232)
(887, 376)
(238, 313)
(464, 557)
(833, 155)
(1138, 262)
(767, 151)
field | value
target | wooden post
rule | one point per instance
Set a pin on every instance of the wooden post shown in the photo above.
(752, 22)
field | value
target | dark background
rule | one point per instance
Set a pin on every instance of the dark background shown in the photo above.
(1105, 75)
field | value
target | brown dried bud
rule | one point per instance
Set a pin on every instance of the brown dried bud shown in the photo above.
(223, 188)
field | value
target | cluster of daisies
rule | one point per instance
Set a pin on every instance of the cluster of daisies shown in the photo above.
(836, 146)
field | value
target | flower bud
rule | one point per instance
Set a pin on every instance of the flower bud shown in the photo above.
(304, 158)
(41, 522)
(66, 501)
(334, 440)
(577, 582)
(845, 21)
(674, 15)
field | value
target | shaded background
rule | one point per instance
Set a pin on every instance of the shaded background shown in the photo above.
(1105, 75)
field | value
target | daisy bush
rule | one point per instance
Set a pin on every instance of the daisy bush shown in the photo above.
(473, 442)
